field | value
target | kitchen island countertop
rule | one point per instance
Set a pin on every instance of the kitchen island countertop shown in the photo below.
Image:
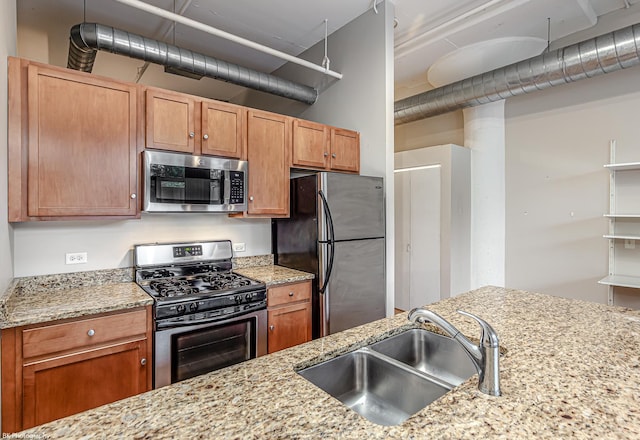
(571, 370)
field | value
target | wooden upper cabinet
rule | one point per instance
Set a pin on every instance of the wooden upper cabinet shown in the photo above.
(319, 146)
(310, 144)
(268, 147)
(170, 121)
(222, 129)
(345, 150)
(80, 154)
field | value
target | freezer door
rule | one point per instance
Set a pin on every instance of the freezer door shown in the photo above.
(356, 291)
(356, 204)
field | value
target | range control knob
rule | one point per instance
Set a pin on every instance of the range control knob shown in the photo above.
(181, 308)
(247, 297)
(193, 307)
(237, 299)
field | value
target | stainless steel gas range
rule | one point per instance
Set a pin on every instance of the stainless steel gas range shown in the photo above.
(206, 317)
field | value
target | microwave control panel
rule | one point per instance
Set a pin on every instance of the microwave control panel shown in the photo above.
(237, 187)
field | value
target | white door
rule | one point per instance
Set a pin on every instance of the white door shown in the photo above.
(417, 220)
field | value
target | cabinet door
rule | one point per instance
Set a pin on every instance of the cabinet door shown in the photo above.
(345, 150)
(66, 385)
(82, 145)
(310, 144)
(268, 146)
(222, 128)
(289, 326)
(170, 121)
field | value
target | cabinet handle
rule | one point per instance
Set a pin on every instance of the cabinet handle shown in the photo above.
(133, 196)
(326, 154)
(205, 137)
(251, 198)
(143, 361)
(333, 155)
(272, 327)
(91, 332)
(192, 134)
(290, 293)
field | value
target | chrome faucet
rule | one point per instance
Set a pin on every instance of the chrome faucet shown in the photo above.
(485, 356)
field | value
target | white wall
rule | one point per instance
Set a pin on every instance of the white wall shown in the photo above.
(557, 190)
(7, 47)
(362, 100)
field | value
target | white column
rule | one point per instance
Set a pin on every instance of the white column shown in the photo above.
(484, 135)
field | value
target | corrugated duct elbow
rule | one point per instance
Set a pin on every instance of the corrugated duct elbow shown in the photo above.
(603, 54)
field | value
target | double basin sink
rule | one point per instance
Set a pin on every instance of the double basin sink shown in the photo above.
(389, 381)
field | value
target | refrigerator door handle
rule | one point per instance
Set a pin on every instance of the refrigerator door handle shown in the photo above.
(330, 242)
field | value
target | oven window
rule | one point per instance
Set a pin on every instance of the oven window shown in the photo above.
(212, 348)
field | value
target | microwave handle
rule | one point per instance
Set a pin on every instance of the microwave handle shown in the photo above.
(227, 186)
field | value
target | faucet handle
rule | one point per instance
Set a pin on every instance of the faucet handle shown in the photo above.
(488, 337)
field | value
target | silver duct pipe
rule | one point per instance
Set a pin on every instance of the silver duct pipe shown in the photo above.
(607, 53)
(87, 38)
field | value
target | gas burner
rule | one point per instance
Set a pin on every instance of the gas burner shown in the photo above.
(201, 269)
(171, 288)
(222, 281)
(157, 273)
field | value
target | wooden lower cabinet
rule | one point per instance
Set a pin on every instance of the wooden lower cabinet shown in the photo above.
(289, 315)
(59, 369)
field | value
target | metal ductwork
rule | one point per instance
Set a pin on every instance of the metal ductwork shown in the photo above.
(607, 53)
(87, 38)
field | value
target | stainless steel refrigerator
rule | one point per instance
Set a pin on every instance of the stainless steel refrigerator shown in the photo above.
(336, 231)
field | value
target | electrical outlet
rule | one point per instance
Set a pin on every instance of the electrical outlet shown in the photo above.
(76, 258)
(629, 244)
(239, 247)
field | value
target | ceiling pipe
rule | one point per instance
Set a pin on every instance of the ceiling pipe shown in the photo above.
(227, 36)
(87, 38)
(603, 54)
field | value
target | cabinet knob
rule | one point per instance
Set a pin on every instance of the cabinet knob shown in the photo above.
(192, 134)
(251, 198)
(333, 155)
(326, 154)
(272, 327)
(143, 361)
(290, 293)
(91, 332)
(205, 137)
(133, 196)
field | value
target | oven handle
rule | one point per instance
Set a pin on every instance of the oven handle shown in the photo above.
(246, 313)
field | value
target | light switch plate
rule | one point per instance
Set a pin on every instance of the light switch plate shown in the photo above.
(239, 247)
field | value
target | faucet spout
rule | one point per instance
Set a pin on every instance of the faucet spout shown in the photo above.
(485, 356)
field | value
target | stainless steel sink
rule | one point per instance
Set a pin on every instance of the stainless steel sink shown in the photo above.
(389, 381)
(380, 389)
(430, 353)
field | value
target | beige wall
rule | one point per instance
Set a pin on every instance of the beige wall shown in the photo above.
(7, 47)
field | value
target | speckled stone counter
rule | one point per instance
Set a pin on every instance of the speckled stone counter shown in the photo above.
(273, 275)
(571, 370)
(32, 300)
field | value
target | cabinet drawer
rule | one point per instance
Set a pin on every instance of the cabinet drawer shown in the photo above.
(289, 293)
(83, 333)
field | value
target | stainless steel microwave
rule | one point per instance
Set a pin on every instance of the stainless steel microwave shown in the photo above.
(176, 182)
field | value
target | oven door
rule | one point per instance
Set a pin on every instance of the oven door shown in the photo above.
(187, 351)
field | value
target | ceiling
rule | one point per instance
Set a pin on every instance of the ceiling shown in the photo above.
(426, 29)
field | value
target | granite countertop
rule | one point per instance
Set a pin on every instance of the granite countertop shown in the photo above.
(571, 370)
(45, 298)
(33, 300)
(273, 275)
